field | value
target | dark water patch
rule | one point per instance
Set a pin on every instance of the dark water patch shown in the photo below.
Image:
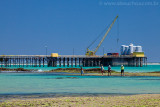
(114, 89)
(154, 72)
(150, 79)
(67, 78)
(38, 74)
(55, 95)
(64, 75)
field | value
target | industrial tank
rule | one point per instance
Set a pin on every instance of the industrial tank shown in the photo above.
(130, 51)
(134, 48)
(126, 50)
(123, 49)
(138, 48)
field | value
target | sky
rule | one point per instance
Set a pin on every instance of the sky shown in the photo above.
(28, 27)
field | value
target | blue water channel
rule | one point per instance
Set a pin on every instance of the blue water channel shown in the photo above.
(54, 83)
(149, 68)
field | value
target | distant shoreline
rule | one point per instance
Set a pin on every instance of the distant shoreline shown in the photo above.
(153, 63)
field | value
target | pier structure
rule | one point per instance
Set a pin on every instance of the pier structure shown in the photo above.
(70, 61)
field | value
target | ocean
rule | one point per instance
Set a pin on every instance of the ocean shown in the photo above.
(53, 83)
(59, 84)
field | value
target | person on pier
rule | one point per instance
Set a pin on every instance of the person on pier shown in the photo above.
(109, 70)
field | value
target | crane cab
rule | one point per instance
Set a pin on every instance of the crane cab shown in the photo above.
(89, 53)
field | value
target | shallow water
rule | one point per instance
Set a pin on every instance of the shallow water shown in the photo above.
(149, 68)
(53, 83)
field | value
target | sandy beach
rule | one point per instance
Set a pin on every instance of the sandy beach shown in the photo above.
(144, 100)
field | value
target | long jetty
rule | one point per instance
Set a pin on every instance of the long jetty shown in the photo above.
(70, 61)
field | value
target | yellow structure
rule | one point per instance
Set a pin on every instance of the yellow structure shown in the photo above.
(89, 53)
(54, 54)
(138, 54)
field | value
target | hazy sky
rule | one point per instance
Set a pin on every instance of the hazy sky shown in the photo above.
(26, 26)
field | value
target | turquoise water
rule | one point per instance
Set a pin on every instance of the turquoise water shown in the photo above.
(47, 83)
(149, 68)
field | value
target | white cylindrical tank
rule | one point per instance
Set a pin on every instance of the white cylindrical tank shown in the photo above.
(122, 49)
(138, 48)
(134, 48)
(130, 51)
(126, 50)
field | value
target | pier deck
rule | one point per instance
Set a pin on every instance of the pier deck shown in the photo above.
(70, 61)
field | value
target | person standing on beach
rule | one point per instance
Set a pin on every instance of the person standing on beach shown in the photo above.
(122, 70)
(102, 69)
(109, 70)
(82, 71)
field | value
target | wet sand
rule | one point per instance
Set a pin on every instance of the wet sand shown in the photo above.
(76, 71)
(149, 100)
(97, 71)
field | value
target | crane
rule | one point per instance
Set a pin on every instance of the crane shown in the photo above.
(92, 53)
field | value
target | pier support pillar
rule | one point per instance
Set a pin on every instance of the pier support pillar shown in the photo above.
(43, 61)
(64, 62)
(59, 62)
(83, 62)
(75, 62)
(80, 60)
(137, 62)
(71, 62)
(67, 62)
(141, 62)
(54, 62)
(39, 62)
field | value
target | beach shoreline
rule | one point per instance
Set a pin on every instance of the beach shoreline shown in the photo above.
(124, 100)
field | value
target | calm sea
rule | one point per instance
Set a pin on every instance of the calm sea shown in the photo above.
(54, 83)
(59, 84)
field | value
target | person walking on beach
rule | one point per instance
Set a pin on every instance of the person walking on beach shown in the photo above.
(102, 69)
(122, 70)
(82, 71)
(109, 70)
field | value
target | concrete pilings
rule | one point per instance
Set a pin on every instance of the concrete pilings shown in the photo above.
(35, 61)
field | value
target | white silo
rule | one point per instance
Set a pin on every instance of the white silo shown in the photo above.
(134, 48)
(130, 51)
(141, 49)
(138, 48)
(126, 50)
(123, 49)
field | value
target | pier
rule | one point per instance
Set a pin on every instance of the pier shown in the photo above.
(70, 61)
